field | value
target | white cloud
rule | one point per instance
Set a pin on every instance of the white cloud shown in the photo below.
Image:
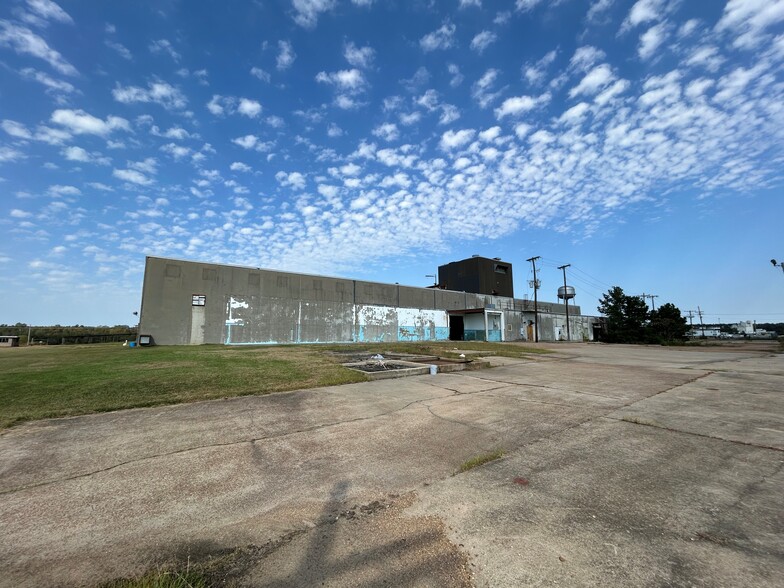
(10, 154)
(610, 93)
(17, 213)
(585, 57)
(334, 130)
(275, 121)
(598, 9)
(59, 190)
(457, 77)
(651, 40)
(645, 11)
(148, 165)
(535, 73)
(575, 114)
(218, 104)
(361, 57)
(49, 10)
(526, 5)
(490, 134)
(246, 142)
(156, 92)
(515, 106)
(750, 20)
(350, 80)
(428, 100)
(467, 3)
(307, 12)
(100, 186)
(294, 179)
(249, 108)
(441, 38)
(346, 102)
(79, 122)
(121, 49)
(286, 55)
(240, 167)
(387, 132)
(482, 92)
(172, 133)
(454, 139)
(706, 56)
(449, 114)
(74, 153)
(48, 81)
(26, 42)
(593, 81)
(51, 136)
(164, 46)
(252, 142)
(16, 129)
(176, 151)
(259, 73)
(132, 176)
(483, 40)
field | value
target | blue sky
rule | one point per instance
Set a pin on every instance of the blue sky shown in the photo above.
(639, 141)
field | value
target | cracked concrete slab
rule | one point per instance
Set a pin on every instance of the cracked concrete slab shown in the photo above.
(582, 496)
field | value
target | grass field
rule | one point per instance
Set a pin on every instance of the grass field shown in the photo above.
(43, 382)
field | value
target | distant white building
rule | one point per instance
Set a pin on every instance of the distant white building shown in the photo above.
(746, 327)
(709, 332)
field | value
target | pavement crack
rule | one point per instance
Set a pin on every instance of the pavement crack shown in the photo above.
(634, 421)
(215, 445)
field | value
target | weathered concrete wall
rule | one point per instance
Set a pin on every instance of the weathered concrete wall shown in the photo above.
(252, 306)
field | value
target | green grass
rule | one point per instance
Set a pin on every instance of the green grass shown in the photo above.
(161, 579)
(481, 460)
(42, 382)
(67, 380)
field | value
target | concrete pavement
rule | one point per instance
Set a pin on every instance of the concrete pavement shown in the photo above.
(624, 466)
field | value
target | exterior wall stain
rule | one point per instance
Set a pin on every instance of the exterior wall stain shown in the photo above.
(252, 306)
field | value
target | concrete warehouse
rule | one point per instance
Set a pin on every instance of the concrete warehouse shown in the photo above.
(191, 303)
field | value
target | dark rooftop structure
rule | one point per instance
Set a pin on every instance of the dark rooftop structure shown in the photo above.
(478, 275)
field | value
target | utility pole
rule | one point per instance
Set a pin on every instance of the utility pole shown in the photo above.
(702, 326)
(566, 301)
(536, 303)
(691, 323)
(645, 297)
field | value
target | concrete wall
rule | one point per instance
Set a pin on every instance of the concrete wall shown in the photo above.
(254, 306)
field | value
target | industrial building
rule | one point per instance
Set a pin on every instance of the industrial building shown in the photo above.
(186, 302)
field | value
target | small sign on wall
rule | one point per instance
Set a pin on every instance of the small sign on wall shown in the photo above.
(199, 300)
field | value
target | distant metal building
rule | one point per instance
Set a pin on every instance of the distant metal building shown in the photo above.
(186, 302)
(9, 341)
(479, 275)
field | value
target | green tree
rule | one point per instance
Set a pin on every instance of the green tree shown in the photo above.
(626, 316)
(667, 324)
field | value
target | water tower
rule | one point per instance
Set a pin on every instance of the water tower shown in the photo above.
(565, 293)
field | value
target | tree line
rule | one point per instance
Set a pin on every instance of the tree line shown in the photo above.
(53, 334)
(629, 320)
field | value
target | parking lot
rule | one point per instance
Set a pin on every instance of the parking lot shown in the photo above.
(622, 465)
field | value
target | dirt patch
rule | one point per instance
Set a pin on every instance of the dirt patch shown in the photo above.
(360, 545)
(374, 544)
